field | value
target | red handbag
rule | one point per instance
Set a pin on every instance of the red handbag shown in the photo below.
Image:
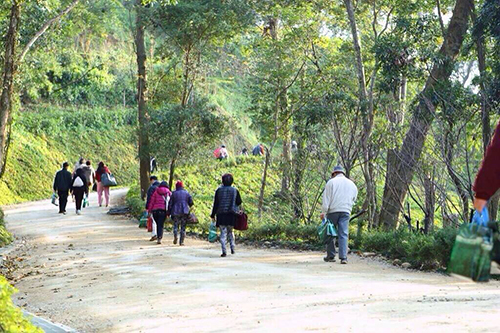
(241, 222)
(149, 224)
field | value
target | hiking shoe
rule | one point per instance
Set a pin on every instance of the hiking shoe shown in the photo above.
(175, 240)
(326, 259)
(223, 255)
(158, 241)
(343, 261)
(153, 238)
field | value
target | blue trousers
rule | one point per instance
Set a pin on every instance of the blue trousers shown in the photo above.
(341, 222)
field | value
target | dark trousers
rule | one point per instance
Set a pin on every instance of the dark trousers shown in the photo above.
(78, 192)
(160, 216)
(63, 200)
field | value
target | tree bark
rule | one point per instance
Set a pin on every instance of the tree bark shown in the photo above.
(143, 116)
(430, 202)
(263, 182)
(9, 71)
(171, 173)
(397, 182)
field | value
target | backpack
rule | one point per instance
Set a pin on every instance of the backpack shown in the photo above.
(78, 182)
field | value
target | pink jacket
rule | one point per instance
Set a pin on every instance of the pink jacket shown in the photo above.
(158, 199)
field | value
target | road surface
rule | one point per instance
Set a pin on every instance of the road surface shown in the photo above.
(98, 273)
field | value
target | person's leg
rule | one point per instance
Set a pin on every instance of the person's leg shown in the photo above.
(99, 193)
(232, 243)
(160, 222)
(183, 228)
(330, 246)
(223, 238)
(176, 220)
(343, 232)
(106, 195)
(78, 198)
(63, 200)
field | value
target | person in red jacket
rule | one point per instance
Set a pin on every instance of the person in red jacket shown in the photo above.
(102, 169)
(488, 177)
(158, 206)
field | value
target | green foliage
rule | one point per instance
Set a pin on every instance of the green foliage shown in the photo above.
(134, 201)
(46, 136)
(420, 250)
(11, 317)
(5, 236)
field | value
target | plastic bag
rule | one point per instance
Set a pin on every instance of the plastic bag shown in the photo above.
(85, 202)
(143, 221)
(212, 233)
(53, 199)
(326, 230)
(471, 252)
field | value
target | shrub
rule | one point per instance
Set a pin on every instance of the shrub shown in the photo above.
(5, 236)
(11, 317)
(134, 201)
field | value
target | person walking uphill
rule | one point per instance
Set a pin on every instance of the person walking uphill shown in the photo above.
(178, 208)
(338, 198)
(62, 185)
(102, 169)
(227, 202)
(79, 187)
(488, 177)
(153, 180)
(158, 206)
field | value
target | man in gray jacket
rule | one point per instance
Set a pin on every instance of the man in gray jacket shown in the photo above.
(338, 198)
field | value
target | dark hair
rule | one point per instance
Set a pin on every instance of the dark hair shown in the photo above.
(81, 160)
(164, 184)
(65, 165)
(227, 179)
(153, 178)
(100, 168)
(88, 162)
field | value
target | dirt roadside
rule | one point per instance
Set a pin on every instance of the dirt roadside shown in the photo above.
(98, 273)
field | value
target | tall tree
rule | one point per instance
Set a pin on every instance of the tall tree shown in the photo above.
(400, 174)
(142, 108)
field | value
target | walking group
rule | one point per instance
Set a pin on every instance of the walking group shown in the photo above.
(79, 182)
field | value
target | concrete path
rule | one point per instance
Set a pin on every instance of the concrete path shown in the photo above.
(98, 273)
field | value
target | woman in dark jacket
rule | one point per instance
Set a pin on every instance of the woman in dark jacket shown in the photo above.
(178, 207)
(227, 202)
(79, 187)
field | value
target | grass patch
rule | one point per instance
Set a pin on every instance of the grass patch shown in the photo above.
(5, 236)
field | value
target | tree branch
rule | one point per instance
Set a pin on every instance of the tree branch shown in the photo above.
(44, 28)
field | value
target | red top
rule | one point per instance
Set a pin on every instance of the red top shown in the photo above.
(488, 177)
(98, 174)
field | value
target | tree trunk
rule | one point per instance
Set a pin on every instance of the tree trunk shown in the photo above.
(398, 181)
(430, 202)
(171, 174)
(299, 167)
(143, 117)
(9, 71)
(367, 114)
(263, 183)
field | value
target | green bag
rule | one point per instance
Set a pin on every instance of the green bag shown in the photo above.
(471, 253)
(143, 221)
(326, 230)
(85, 202)
(212, 233)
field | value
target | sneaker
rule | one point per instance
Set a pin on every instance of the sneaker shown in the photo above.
(343, 261)
(326, 259)
(158, 241)
(153, 238)
(64, 213)
(78, 212)
(181, 244)
(175, 240)
(223, 255)
(232, 252)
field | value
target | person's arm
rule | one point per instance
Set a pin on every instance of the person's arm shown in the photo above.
(488, 177)
(190, 200)
(54, 186)
(148, 197)
(238, 200)
(215, 205)
(152, 201)
(326, 199)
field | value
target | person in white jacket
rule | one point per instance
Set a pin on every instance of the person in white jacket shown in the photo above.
(338, 198)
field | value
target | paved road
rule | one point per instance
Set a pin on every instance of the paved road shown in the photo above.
(98, 273)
